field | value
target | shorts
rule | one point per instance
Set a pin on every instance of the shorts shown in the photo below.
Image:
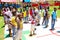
(32, 26)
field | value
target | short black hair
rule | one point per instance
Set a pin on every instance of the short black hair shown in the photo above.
(55, 9)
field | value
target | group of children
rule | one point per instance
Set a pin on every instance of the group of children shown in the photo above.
(15, 19)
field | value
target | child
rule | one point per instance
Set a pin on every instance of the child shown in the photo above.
(20, 26)
(44, 14)
(38, 16)
(32, 26)
(47, 19)
(54, 18)
(25, 15)
(7, 17)
(14, 25)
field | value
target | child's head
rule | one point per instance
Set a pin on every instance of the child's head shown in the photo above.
(55, 9)
(20, 16)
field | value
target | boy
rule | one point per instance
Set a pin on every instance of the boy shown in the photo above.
(44, 16)
(54, 18)
(14, 25)
(25, 16)
(7, 17)
(47, 19)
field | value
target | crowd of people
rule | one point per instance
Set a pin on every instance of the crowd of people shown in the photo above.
(15, 19)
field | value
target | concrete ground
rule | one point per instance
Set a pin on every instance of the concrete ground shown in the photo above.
(41, 32)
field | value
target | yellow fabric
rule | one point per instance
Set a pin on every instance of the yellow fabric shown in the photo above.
(13, 21)
(24, 13)
(21, 24)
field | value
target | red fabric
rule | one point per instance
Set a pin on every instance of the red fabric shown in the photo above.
(32, 22)
(30, 12)
(56, 3)
(34, 5)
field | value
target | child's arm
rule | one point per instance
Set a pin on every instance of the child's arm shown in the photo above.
(56, 17)
(7, 15)
(11, 23)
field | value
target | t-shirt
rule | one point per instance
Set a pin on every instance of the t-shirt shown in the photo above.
(32, 21)
(21, 24)
(8, 13)
(31, 13)
(40, 11)
(36, 10)
(24, 13)
(13, 21)
(54, 15)
(44, 12)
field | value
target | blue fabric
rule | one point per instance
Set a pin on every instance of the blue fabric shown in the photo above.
(17, 5)
(14, 32)
(26, 0)
(6, 5)
(40, 7)
(46, 22)
(13, 5)
(0, 6)
(54, 15)
(53, 24)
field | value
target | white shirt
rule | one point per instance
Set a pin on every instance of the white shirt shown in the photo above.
(9, 13)
(36, 10)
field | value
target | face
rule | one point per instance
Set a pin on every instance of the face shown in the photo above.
(21, 15)
(54, 9)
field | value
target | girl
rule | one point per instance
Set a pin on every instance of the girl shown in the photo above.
(20, 26)
(32, 26)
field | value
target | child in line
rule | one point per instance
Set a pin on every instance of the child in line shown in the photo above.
(25, 16)
(32, 26)
(19, 26)
(7, 17)
(47, 19)
(44, 14)
(54, 18)
(14, 25)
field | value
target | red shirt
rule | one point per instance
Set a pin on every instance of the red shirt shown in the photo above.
(32, 22)
(30, 12)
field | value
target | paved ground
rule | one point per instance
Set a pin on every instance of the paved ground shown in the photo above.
(41, 32)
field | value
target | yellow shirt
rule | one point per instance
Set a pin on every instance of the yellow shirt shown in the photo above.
(13, 21)
(24, 13)
(21, 24)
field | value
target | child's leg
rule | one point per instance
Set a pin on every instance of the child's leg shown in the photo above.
(43, 20)
(34, 30)
(14, 32)
(31, 31)
(20, 35)
(46, 23)
(38, 22)
(17, 35)
(53, 24)
(9, 27)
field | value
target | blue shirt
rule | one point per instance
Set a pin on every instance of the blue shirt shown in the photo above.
(54, 15)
